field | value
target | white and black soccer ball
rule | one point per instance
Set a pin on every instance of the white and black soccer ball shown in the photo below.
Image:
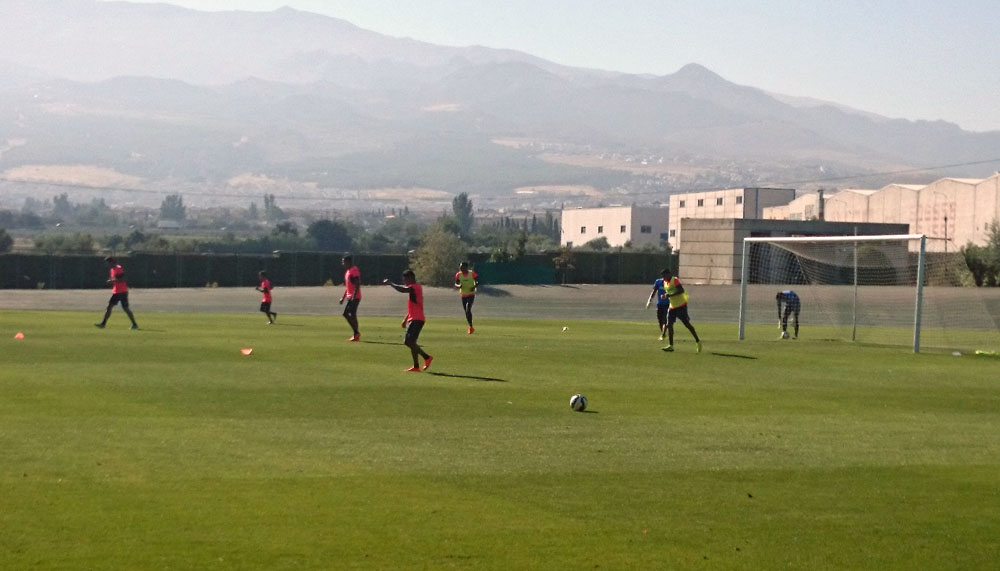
(784, 335)
(578, 402)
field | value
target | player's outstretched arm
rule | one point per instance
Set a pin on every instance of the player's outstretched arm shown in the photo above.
(397, 287)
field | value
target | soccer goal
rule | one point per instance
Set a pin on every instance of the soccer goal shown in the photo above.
(877, 289)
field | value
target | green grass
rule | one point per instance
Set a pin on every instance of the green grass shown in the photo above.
(165, 448)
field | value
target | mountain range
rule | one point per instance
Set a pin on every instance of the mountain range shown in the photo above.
(313, 106)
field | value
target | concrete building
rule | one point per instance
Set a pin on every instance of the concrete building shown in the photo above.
(956, 211)
(714, 247)
(618, 224)
(895, 203)
(735, 203)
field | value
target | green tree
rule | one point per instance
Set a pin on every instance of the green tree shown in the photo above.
(599, 244)
(114, 242)
(61, 206)
(78, 243)
(448, 224)
(984, 261)
(330, 236)
(11, 219)
(461, 206)
(272, 212)
(521, 245)
(285, 229)
(403, 235)
(6, 241)
(976, 260)
(97, 213)
(135, 238)
(552, 226)
(373, 242)
(500, 253)
(172, 208)
(993, 249)
(434, 262)
(564, 262)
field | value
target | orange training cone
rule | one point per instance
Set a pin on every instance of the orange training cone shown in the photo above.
(19, 335)
(246, 351)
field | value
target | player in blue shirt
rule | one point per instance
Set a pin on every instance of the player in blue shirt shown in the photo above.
(790, 299)
(662, 303)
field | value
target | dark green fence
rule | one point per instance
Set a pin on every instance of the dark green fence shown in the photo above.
(291, 269)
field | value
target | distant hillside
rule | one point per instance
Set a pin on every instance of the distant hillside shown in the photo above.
(165, 93)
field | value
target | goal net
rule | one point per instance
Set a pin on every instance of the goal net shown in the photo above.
(871, 289)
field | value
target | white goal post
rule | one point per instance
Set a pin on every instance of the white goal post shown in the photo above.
(833, 270)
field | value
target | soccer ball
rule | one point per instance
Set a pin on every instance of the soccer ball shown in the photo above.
(578, 402)
(784, 335)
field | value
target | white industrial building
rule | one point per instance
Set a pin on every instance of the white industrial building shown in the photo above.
(957, 210)
(734, 203)
(618, 224)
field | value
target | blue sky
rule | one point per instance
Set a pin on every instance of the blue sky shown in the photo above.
(914, 59)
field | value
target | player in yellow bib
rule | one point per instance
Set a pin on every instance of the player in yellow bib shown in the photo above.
(467, 281)
(674, 291)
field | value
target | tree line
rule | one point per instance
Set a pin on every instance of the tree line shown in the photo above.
(984, 261)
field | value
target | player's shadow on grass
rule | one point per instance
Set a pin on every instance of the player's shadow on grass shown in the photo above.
(381, 342)
(733, 355)
(437, 374)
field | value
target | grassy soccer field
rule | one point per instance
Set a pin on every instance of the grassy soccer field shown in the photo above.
(166, 448)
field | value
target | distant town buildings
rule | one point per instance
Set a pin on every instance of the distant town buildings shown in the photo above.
(956, 210)
(620, 225)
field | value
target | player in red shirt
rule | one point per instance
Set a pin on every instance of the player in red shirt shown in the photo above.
(265, 302)
(352, 293)
(119, 293)
(414, 320)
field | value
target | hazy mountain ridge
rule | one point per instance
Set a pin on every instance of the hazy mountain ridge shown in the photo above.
(158, 91)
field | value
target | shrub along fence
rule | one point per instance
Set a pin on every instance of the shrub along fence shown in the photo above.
(291, 269)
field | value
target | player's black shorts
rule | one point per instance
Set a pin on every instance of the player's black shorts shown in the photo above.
(413, 330)
(661, 313)
(467, 301)
(351, 307)
(265, 306)
(793, 306)
(676, 313)
(117, 298)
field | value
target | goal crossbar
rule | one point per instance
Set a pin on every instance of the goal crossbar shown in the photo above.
(867, 238)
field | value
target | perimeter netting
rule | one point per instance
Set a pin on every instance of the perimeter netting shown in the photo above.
(865, 289)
